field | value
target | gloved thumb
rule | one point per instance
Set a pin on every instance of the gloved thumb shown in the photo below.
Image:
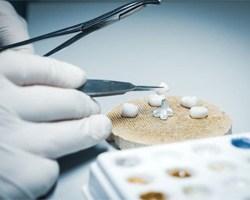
(13, 28)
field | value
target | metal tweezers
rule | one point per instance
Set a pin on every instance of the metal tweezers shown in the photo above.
(91, 87)
(98, 88)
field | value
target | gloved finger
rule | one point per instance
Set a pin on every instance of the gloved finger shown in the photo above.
(13, 28)
(55, 139)
(24, 175)
(62, 138)
(24, 69)
(45, 103)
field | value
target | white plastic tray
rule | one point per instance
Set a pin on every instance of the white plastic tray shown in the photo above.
(210, 168)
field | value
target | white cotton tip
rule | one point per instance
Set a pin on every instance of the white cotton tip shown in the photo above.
(155, 100)
(189, 101)
(163, 90)
(129, 110)
(198, 112)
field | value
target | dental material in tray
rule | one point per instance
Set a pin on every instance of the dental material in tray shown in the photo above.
(213, 168)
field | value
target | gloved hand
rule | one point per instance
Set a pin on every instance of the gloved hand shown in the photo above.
(40, 111)
(38, 89)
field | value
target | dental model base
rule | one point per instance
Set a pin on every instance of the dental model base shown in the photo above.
(145, 129)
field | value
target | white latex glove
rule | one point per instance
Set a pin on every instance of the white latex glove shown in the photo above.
(38, 89)
(37, 101)
(24, 103)
(13, 28)
(24, 175)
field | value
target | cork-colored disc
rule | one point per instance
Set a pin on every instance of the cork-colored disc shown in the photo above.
(145, 129)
